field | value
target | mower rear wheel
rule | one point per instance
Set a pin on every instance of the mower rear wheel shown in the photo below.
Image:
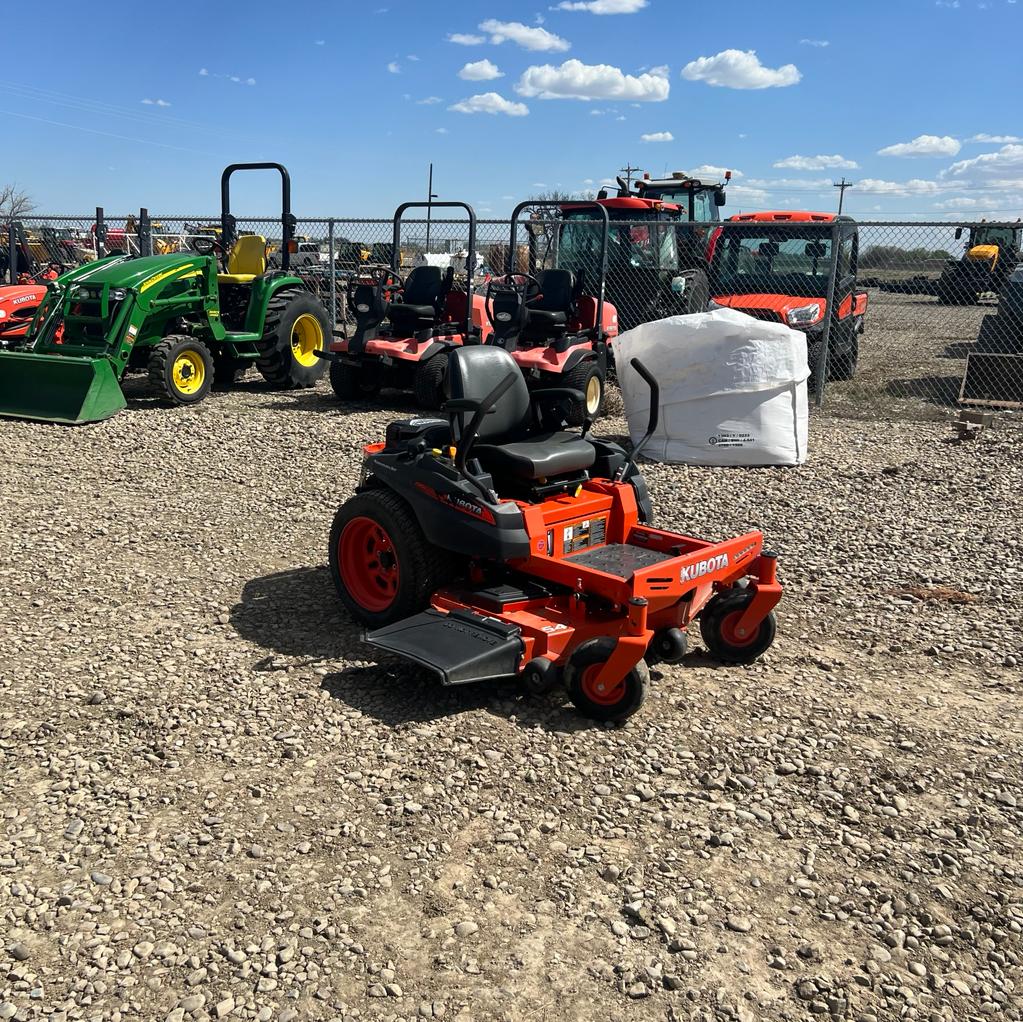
(718, 624)
(428, 383)
(588, 378)
(352, 382)
(181, 368)
(615, 702)
(382, 565)
(295, 328)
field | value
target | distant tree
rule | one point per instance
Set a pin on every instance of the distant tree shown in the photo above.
(14, 202)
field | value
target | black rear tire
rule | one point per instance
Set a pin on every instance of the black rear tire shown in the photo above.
(619, 702)
(588, 378)
(418, 568)
(717, 620)
(351, 383)
(842, 366)
(295, 326)
(181, 369)
(428, 382)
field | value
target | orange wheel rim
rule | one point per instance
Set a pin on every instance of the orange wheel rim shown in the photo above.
(601, 693)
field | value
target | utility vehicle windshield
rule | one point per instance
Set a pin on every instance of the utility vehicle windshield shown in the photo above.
(772, 262)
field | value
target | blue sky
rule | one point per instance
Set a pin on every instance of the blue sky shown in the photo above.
(125, 104)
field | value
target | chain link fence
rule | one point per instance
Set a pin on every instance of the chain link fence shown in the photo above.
(903, 320)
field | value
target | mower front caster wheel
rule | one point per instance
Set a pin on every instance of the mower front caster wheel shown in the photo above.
(668, 646)
(719, 628)
(616, 701)
(540, 676)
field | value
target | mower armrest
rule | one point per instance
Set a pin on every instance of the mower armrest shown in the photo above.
(463, 404)
(558, 392)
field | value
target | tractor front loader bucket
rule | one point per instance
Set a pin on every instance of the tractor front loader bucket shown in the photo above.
(58, 388)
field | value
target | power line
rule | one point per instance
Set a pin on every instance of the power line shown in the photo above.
(842, 185)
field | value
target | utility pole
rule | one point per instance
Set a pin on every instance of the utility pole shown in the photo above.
(628, 170)
(430, 196)
(842, 185)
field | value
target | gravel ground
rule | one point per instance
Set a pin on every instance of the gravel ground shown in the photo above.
(214, 806)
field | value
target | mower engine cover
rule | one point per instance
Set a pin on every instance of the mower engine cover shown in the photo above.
(732, 389)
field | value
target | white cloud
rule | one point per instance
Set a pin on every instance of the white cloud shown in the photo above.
(250, 81)
(709, 170)
(658, 136)
(321, 42)
(740, 193)
(480, 71)
(441, 131)
(814, 42)
(962, 202)
(739, 69)
(603, 6)
(775, 184)
(898, 189)
(576, 80)
(529, 38)
(429, 100)
(490, 103)
(394, 67)
(998, 139)
(835, 162)
(412, 57)
(1007, 163)
(156, 102)
(924, 145)
(465, 39)
(203, 72)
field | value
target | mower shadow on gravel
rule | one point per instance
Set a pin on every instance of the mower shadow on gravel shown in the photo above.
(295, 615)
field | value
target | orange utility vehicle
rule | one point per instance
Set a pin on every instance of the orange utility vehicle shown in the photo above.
(777, 266)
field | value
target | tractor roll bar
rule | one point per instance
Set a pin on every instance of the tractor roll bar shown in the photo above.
(227, 221)
(603, 219)
(470, 260)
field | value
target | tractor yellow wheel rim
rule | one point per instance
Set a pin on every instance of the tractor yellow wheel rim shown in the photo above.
(306, 339)
(593, 394)
(188, 372)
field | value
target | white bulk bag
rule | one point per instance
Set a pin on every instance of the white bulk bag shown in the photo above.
(733, 389)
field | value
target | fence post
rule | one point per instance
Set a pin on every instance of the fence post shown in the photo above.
(101, 233)
(145, 233)
(333, 274)
(829, 317)
(12, 251)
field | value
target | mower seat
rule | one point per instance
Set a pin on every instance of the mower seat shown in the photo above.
(504, 443)
(550, 312)
(425, 289)
(246, 261)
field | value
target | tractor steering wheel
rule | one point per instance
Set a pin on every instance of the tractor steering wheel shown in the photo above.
(380, 276)
(523, 285)
(204, 244)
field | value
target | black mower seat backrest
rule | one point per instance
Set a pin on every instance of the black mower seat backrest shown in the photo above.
(504, 444)
(421, 299)
(556, 302)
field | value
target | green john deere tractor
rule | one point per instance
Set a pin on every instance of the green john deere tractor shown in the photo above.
(174, 317)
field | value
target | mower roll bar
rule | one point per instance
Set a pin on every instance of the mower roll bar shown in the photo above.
(470, 260)
(227, 221)
(603, 219)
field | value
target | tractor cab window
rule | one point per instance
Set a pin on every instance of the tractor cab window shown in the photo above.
(773, 262)
(1006, 237)
(704, 207)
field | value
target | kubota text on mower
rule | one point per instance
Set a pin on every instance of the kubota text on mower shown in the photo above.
(494, 543)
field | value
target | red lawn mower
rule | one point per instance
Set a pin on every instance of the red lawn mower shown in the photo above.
(494, 543)
(556, 328)
(406, 326)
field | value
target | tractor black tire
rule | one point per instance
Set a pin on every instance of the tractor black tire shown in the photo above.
(622, 701)
(720, 615)
(588, 378)
(697, 293)
(181, 369)
(352, 383)
(428, 382)
(383, 567)
(296, 324)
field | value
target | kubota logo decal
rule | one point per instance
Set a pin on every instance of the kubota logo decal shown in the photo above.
(705, 567)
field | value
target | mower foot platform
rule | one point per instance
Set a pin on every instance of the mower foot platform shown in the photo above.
(461, 647)
(619, 559)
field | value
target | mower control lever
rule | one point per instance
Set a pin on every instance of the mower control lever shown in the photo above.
(655, 401)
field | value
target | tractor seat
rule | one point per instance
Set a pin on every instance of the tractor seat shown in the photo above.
(505, 445)
(538, 457)
(246, 261)
(556, 302)
(424, 291)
